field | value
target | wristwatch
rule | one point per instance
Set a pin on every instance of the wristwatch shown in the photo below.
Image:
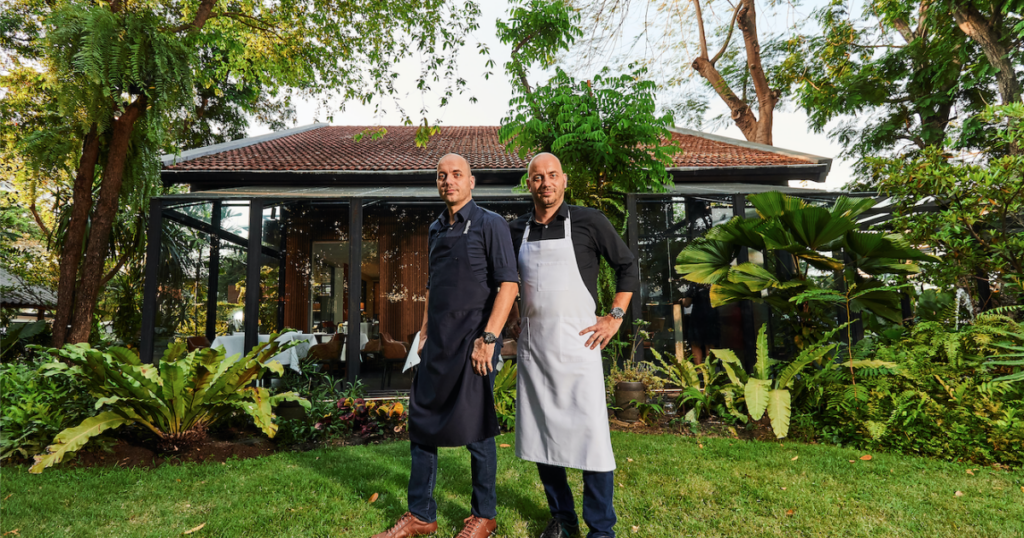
(617, 313)
(490, 338)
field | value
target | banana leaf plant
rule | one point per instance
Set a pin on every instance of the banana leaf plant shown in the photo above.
(177, 400)
(797, 238)
(763, 394)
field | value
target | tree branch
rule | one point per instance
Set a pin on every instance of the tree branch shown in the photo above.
(203, 14)
(766, 96)
(728, 36)
(700, 30)
(38, 219)
(117, 268)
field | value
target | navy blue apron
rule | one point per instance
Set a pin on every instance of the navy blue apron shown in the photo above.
(449, 404)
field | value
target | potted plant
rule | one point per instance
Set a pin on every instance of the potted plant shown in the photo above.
(635, 380)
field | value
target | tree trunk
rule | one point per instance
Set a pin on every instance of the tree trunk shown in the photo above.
(71, 254)
(986, 34)
(754, 128)
(103, 220)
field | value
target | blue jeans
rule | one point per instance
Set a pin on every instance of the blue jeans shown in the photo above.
(423, 477)
(598, 512)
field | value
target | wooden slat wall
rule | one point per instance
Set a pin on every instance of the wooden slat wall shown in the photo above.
(402, 247)
(304, 226)
(403, 276)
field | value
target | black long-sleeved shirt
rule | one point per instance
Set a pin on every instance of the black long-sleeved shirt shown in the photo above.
(593, 236)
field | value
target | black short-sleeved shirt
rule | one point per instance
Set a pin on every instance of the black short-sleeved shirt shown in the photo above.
(593, 236)
(489, 248)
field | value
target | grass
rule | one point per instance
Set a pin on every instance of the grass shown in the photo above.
(674, 486)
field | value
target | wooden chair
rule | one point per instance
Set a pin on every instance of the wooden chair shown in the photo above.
(328, 355)
(193, 343)
(394, 354)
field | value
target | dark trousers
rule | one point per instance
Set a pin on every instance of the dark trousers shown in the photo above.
(484, 463)
(598, 512)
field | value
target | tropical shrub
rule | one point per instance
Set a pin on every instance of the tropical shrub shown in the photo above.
(944, 396)
(703, 392)
(35, 407)
(369, 418)
(774, 395)
(799, 242)
(505, 396)
(176, 399)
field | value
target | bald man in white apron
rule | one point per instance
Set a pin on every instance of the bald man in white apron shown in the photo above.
(561, 413)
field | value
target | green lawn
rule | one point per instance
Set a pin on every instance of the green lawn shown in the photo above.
(674, 486)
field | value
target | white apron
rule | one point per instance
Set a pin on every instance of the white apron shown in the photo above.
(561, 414)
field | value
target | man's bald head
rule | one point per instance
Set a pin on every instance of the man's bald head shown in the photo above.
(541, 159)
(460, 162)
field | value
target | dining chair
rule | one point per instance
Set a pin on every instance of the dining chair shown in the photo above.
(193, 343)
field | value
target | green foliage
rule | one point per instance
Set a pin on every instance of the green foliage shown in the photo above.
(604, 130)
(505, 396)
(794, 237)
(627, 368)
(17, 332)
(944, 398)
(177, 400)
(978, 226)
(897, 77)
(369, 418)
(702, 392)
(35, 407)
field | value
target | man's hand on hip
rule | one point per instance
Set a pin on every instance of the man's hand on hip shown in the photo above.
(482, 354)
(603, 330)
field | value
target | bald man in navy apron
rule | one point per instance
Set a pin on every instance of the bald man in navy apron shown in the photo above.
(473, 284)
(561, 414)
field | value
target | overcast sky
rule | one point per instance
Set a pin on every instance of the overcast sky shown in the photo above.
(790, 129)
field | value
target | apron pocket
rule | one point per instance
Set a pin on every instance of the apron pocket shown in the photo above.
(554, 276)
(573, 348)
(523, 343)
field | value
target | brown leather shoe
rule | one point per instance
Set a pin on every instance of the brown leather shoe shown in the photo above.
(409, 525)
(477, 527)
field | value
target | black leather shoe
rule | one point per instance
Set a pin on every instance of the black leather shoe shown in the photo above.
(556, 529)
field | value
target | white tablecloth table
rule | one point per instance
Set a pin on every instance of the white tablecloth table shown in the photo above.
(235, 344)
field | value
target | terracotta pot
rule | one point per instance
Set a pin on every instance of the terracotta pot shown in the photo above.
(626, 392)
(292, 410)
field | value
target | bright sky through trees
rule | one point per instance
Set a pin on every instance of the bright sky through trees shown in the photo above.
(493, 95)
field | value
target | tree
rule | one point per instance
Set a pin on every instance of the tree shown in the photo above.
(605, 130)
(902, 77)
(978, 222)
(114, 76)
(741, 80)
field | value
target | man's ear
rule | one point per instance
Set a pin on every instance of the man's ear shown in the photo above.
(472, 182)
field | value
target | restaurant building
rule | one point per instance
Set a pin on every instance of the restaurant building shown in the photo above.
(308, 228)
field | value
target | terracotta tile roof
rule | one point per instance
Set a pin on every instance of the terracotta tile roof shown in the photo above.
(333, 148)
(702, 152)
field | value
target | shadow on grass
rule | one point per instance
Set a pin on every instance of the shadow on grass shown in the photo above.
(384, 469)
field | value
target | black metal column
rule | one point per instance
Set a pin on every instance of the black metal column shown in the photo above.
(633, 239)
(355, 278)
(213, 280)
(282, 266)
(252, 274)
(739, 209)
(153, 236)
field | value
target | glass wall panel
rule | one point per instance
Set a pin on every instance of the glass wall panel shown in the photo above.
(680, 313)
(183, 278)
